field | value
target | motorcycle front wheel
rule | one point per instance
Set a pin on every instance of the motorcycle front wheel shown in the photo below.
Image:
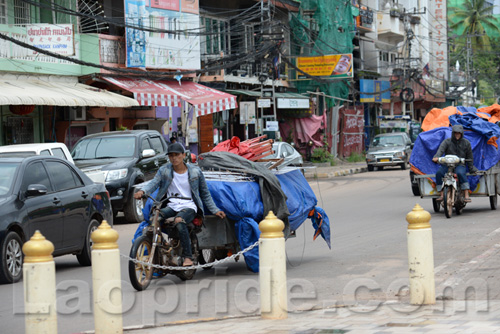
(140, 274)
(448, 199)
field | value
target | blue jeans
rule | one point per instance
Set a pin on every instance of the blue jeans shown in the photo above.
(459, 170)
(187, 216)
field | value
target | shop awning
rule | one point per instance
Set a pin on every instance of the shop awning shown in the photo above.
(170, 93)
(257, 93)
(57, 91)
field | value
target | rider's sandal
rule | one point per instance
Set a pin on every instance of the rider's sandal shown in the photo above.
(467, 200)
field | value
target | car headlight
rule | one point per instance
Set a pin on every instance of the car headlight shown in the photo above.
(399, 154)
(370, 156)
(116, 174)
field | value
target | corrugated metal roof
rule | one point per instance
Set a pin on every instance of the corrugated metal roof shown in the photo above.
(18, 90)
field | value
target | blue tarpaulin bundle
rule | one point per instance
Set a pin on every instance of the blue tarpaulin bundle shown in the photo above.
(482, 135)
(242, 202)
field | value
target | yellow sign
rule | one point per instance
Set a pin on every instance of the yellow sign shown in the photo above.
(337, 66)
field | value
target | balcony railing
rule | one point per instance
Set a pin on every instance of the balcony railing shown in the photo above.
(112, 49)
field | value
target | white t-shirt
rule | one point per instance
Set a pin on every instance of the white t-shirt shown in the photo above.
(180, 187)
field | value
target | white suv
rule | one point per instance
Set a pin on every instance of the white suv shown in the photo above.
(55, 149)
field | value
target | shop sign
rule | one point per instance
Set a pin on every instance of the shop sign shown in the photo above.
(167, 48)
(285, 103)
(272, 126)
(247, 112)
(375, 91)
(56, 38)
(333, 66)
(264, 103)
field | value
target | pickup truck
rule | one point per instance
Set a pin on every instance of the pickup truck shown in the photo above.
(126, 158)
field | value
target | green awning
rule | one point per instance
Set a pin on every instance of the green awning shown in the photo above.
(258, 94)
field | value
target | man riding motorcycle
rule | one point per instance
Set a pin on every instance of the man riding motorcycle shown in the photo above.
(461, 147)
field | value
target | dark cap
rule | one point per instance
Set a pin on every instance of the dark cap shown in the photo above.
(175, 148)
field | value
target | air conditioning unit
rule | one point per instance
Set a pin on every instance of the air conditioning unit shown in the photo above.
(75, 113)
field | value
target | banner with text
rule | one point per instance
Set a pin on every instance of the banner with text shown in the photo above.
(56, 38)
(167, 45)
(370, 88)
(333, 66)
(352, 131)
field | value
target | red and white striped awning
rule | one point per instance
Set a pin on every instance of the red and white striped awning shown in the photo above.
(170, 93)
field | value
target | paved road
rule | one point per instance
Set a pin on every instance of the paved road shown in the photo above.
(367, 264)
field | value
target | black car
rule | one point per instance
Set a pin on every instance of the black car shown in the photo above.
(127, 158)
(51, 195)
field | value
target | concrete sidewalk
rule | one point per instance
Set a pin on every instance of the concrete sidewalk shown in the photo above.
(388, 318)
(342, 168)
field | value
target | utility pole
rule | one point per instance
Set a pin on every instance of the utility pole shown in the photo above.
(469, 69)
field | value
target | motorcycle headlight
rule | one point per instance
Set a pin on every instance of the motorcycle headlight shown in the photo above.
(116, 174)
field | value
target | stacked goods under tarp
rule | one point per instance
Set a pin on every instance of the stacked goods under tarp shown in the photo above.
(480, 129)
(247, 201)
(251, 149)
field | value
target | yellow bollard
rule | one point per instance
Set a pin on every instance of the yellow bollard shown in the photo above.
(39, 272)
(272, 269)
(420, 257)
(106, 281)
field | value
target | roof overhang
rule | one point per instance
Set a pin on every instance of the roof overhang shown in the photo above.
(57, 91)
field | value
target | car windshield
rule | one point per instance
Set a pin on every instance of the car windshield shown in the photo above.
(103, 148)
(388, 141)
(7, 174)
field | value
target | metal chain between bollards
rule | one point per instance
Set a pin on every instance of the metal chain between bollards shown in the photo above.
(206, 265)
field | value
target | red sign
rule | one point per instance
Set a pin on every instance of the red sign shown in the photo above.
(190, 6)
(165, 4)
(352, 131)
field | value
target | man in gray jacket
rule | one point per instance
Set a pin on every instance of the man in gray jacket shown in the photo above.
(461, 147)
(179, 179)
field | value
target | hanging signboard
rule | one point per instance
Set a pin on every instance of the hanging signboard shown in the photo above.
(168, 45)
(247, 112)
(264, 103)
(56, 38)
(333, 66)
(293, 103)
(370, 88)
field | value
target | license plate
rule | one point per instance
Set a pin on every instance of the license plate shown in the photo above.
(385, 160)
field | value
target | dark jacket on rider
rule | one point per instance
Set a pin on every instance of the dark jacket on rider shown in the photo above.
(461, 147)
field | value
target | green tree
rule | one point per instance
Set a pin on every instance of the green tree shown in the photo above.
(473, 17)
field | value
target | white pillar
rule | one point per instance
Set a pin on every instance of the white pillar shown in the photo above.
(272, 269)
(106, 281)
(39, 283)
(420, 257)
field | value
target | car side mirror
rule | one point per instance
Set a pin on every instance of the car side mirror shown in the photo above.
(148, 153)
(36, 190)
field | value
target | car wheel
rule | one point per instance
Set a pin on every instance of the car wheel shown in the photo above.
(403, 166)
(85, 257)
(12, 258)
(133, 209)
(370, 168)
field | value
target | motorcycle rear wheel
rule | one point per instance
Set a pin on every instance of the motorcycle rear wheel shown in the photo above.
(493, 202)
(140, 274)
(436, 205)
(448, 199)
